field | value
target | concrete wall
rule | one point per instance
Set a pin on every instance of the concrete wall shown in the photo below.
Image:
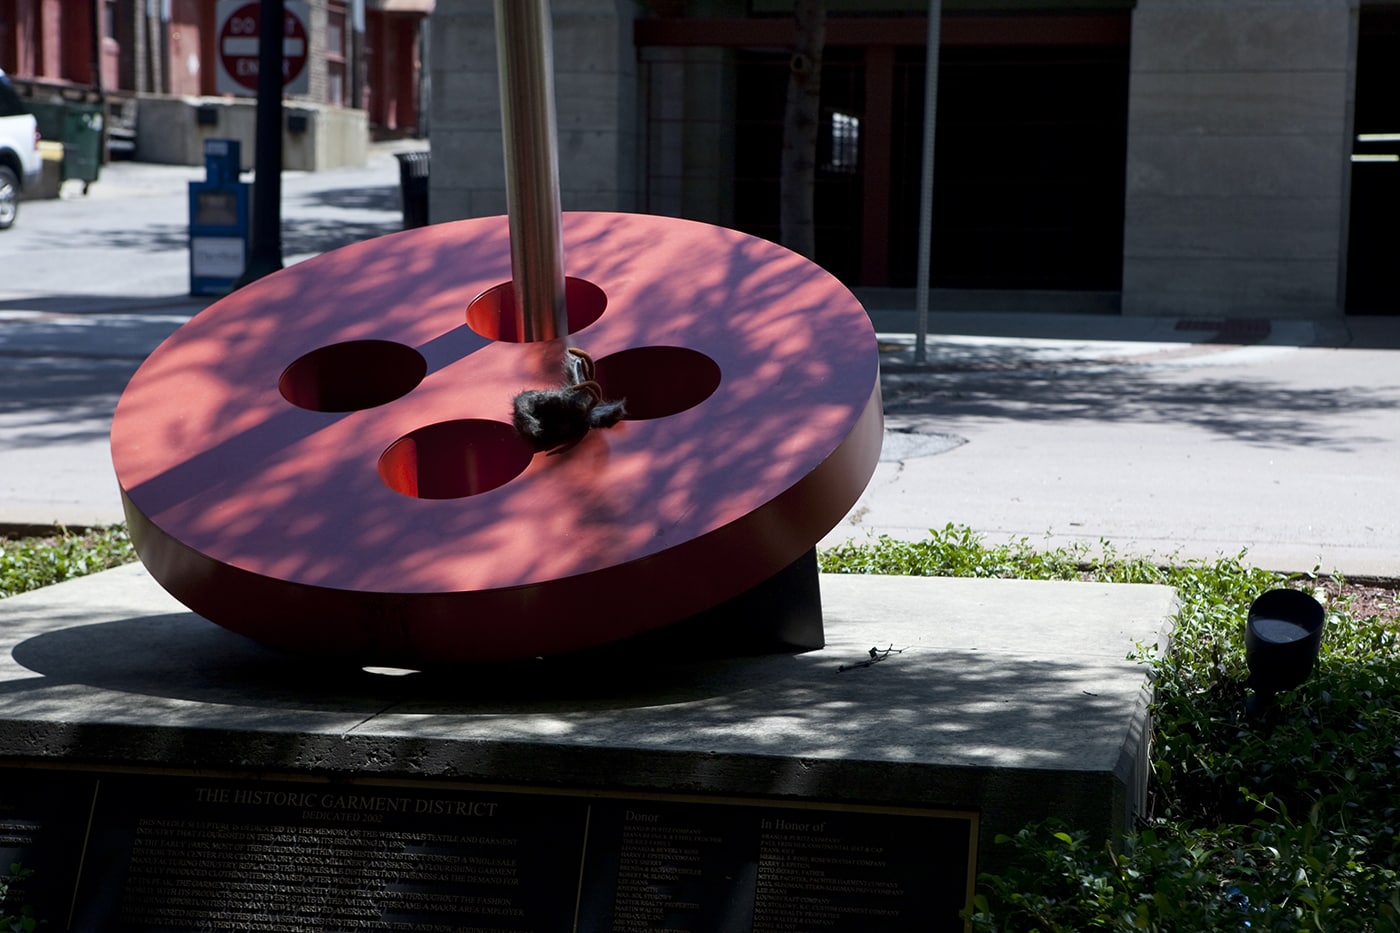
(1238, 150)
(1238, 157)
(690, 125)
(595, 101)
(169, 131)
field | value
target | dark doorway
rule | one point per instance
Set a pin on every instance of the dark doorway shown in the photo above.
(1029, 167)
(1030, 162)
(1373, 284)
(762, 91)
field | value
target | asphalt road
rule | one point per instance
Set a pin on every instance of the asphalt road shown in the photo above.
(1161, 436)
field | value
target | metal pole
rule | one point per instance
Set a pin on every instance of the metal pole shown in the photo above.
(97, 25)
(525, 53)
(265, 252)
(935, 15)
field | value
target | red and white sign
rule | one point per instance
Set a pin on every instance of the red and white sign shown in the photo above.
(236, 42)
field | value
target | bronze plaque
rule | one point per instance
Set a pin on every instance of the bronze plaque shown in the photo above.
(185, 852)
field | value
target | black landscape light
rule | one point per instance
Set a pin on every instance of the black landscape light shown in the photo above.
(1281, 641)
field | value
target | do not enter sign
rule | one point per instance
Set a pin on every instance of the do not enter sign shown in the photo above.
(239, 31)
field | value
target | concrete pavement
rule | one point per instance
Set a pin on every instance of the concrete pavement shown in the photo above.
(1174, 437)
(1161, 435)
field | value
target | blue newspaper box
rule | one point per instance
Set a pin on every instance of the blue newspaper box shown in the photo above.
(219, 214)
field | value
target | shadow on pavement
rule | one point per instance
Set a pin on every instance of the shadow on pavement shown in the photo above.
(181, 304)
(1040, 384)
(378, 198)
(65, 364)
(299, 235)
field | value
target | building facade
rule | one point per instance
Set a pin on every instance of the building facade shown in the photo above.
(155, 64)
(1214, 158)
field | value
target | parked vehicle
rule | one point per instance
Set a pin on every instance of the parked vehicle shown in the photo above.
(20, 164)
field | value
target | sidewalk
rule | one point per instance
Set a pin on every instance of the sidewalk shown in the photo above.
(1162, 436)
(1171, 437)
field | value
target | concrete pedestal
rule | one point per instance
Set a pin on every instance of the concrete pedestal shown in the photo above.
(1010, 699)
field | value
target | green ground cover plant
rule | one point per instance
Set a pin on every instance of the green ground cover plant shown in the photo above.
(29, 562)
(1288, 822)
(15, 917)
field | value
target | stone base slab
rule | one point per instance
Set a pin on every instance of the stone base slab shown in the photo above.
(1013, 699)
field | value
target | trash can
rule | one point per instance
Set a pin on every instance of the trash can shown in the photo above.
(413, 185)
(82, 142)
(78, 126)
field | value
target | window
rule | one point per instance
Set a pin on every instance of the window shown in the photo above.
(840, 143)
(335, 55)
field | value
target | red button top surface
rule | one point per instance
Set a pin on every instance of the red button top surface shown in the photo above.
(283, 521)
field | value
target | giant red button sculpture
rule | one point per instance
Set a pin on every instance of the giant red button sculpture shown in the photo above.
(325, 460)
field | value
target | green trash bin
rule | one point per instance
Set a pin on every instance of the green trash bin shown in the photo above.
(82, 142)
(78, 125)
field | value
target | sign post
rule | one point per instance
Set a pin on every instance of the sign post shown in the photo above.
(272, 76)
(236, 42)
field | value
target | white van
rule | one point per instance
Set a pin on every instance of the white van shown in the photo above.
(20, 163)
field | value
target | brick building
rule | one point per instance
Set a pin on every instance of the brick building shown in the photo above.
(158, 59)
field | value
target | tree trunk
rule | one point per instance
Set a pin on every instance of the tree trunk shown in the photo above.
(801, 121)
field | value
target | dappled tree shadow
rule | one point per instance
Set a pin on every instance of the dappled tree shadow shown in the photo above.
(378, 198)
(926, 704)
(146, 238)
(63, 367)
(72, 400)
(299, 235)
(70, 303)
(1036, 383)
